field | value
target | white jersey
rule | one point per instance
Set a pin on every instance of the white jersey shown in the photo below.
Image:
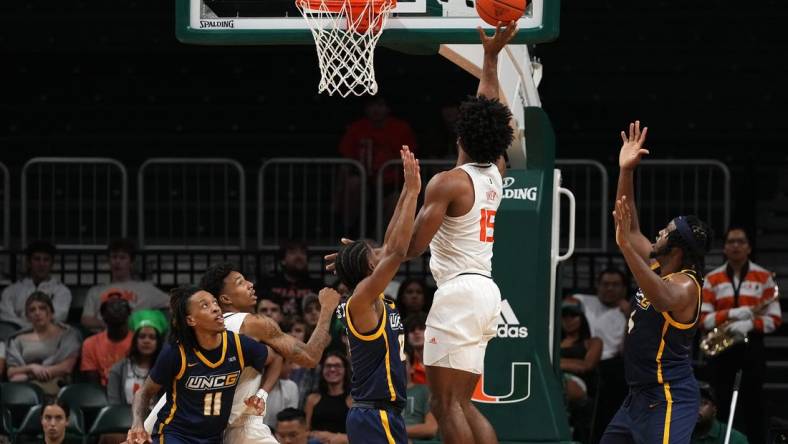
(464, 244)
(250, 379)
(248, 383)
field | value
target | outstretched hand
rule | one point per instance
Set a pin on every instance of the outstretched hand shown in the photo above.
(632, 147)
(331, 259)
(503, 34)
(410, 166)
(623, 217)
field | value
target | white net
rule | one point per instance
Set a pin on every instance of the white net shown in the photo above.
(345, 36)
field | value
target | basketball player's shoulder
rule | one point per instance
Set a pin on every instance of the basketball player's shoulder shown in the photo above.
(448, 182)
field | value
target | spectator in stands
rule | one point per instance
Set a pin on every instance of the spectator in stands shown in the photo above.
(297, 328)
(377, 138)
(372, 140)
(412, 297)
(283, 395)
(291, 427)
(141, 295)
(310, 306)
(54, 420)
(103, 350)
(39, 257)
(268, 307)
(327, 409)
(420, 423)
(46, 353)
(607, 313)
(293, 283)
(307, 379)
(127, 375)
(730, 293)
(580, 353)
(709, 430)
(415, 325)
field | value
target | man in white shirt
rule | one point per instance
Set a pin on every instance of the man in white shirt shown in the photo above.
(283, 395)
(39, 257)
(141, 295)
(607, 314)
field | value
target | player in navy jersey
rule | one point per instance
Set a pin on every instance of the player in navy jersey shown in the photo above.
(663, 400)
(199, 371)
(374, 326)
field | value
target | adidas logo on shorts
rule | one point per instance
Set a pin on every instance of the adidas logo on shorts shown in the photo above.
(508, 324)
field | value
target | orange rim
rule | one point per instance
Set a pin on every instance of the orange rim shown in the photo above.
(356, 6)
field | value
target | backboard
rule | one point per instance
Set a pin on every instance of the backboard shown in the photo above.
(413, 22)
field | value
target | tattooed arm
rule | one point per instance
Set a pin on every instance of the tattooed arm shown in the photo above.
(266, 330)
(139, 410)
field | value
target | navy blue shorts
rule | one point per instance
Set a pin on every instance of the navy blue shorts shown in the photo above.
(662, 413)
(373, 426)
(170, 437)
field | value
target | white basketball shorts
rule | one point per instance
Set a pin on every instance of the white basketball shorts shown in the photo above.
(462, 320)
(249, 429)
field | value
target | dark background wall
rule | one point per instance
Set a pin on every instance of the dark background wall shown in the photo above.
(109, 79)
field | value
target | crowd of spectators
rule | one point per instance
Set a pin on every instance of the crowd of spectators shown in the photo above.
(124, 324)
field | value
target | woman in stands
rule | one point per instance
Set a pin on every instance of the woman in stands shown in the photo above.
(580, 355)
(54, 420)
(413, 297)
(46, 353)
(128, 375)
(327, 409)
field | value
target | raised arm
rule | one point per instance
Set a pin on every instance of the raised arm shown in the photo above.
(666, 295)
(395, 249)
(396, 213)
(266, 330)
(628, 159)
(488, 83)
(140, 407)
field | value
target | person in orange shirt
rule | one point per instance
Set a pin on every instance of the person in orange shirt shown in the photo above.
(102, 350)
(372, 140)
(729, 294)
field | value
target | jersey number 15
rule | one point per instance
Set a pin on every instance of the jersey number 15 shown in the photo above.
(487, 223)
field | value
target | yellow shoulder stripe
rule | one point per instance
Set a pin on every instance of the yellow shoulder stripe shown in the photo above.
(369, 337)
(239, 350)
(221, 359)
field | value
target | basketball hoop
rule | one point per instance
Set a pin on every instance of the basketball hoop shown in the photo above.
(346, 33)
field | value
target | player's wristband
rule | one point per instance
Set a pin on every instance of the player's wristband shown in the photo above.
(262, 394)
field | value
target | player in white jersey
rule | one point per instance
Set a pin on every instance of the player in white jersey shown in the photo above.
(237, 299)
(457, 221)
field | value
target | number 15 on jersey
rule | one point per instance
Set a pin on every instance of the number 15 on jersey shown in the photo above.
(487, 223)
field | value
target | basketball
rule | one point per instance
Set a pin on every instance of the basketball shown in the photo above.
(504, 11)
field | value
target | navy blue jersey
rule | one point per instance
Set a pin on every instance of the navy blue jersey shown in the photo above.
(200, 385)
(657, 347)
(377, 357)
